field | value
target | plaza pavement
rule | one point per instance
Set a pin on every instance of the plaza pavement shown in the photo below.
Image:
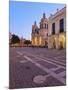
(36, 67)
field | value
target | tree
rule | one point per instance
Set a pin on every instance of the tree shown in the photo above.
(27, 42)
(15, 39)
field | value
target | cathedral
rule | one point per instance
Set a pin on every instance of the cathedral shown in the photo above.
(52, 31)
(40, 34)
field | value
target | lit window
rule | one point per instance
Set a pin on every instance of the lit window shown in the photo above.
(40, 40)
(35, 40)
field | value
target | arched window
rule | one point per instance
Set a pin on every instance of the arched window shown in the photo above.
(53, 28)
(61, 25)
(45, 25)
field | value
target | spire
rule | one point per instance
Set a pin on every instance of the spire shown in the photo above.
(35, 23)
(44, 15)
(57, 9)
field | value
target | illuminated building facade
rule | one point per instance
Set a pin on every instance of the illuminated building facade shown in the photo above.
(57, 29)
(39, 35)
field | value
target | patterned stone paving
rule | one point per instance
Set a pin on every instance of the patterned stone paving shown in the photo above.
(27, 64)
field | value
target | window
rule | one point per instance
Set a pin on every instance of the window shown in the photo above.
(53, 28)
(45, 25)
(61, 25)
(35, 30)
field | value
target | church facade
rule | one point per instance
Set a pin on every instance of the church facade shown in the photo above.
(39, 34)
(52, 31)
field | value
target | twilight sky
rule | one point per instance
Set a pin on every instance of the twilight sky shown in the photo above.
(23, 14)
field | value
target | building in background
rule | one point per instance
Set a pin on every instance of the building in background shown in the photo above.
(35, 34)
(39, 34)
(22, 42)
(57, 29)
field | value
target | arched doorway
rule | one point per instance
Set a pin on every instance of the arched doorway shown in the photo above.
(46, 43)
(61, 41)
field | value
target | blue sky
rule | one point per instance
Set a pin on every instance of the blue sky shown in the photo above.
(23, 14)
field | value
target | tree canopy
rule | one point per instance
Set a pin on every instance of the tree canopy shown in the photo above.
(27, 42)
(15, 39)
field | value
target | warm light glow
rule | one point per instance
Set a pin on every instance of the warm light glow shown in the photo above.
(35, 40)
(32, 41)
(55, 38)
(40, 40)
(62, 39)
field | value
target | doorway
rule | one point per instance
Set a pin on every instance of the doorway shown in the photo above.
(61, 41)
